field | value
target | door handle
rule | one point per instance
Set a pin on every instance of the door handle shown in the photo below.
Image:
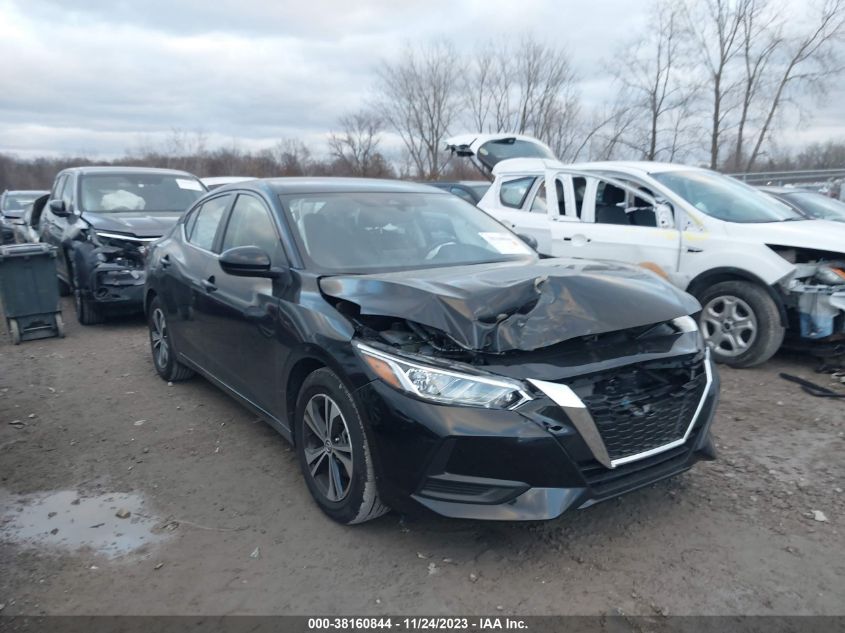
(165, 261)
(694, 249)
(581, 239)
(208, 284)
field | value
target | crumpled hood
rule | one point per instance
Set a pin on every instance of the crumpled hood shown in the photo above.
(137, 223)
(518, 305)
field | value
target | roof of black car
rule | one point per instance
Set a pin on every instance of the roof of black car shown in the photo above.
(774, 189)
(120, 169)
(334, 185)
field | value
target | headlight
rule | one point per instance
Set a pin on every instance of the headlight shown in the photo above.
(441, 385)
(831, 273)
(688, 324)
(685, 324)
(128, 244)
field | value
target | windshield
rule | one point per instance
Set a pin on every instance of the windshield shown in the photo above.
(378, 232)
(114, 193)
(816, 205)
(725, 198)
(15, 203)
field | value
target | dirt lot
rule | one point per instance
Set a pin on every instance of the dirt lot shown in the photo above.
(222, 523)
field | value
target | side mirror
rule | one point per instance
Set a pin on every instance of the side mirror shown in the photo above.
(665, 215)
(248, 261)
(528, 239)
(58, 208)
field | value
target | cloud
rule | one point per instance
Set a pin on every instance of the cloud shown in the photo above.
(101, 77)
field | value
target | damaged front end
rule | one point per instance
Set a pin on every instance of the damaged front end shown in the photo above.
(109, 267)
(814, 296)
(532, 389)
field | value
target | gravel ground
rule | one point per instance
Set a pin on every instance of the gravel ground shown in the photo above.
(221, 523)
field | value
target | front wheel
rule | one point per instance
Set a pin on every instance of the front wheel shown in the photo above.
(87, 311)
(333, 450)
(14, 332)
(741, 323)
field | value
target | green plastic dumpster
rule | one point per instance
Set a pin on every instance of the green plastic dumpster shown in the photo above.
(29, 292)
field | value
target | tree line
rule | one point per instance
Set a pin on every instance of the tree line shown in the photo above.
(710, 82)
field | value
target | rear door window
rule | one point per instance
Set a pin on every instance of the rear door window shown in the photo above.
(201, 227)
(512, 193)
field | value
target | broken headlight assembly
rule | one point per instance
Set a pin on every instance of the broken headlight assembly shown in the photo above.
(125, 250)
(831, 273)
(440, 385)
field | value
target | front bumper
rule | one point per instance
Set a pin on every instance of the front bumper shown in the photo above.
(526, 464)
(117, 286)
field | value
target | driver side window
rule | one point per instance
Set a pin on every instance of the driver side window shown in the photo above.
(201, 227)
(67, 192)
(640, 210)
(617, 204)
(250, 225)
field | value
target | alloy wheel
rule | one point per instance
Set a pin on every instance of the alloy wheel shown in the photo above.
(327, 447)
(158, 337)
(729, 325)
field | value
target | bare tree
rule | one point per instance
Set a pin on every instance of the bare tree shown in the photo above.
(809, 60)
(716, 25)
(357, 145)
(525, 89)
(479, 86)
(420, 101)
(653, 74)
(761, 37)
(545, 85)
(293, 157)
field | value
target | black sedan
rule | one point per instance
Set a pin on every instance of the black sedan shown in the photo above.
(470, 190)
(419, 354)
(810, 204)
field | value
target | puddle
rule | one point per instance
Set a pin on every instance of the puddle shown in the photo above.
(66, 520)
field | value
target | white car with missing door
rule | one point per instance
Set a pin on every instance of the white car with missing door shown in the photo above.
(761, 271)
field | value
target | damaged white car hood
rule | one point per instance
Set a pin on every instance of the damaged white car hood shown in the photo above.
(822, 235)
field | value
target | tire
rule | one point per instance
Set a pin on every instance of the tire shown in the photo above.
(87, 311)
(356, 498)
(164, 355)
(741, 323)
(14, 332)
(60, 326)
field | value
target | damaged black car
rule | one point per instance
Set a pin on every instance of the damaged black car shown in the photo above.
(418, 354)
(101, 220)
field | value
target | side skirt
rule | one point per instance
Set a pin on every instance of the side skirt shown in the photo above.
(283, 429)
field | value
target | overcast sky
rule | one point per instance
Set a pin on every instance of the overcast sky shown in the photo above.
(103, 77)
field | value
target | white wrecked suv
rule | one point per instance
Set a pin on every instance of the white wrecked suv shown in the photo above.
(761, 271)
